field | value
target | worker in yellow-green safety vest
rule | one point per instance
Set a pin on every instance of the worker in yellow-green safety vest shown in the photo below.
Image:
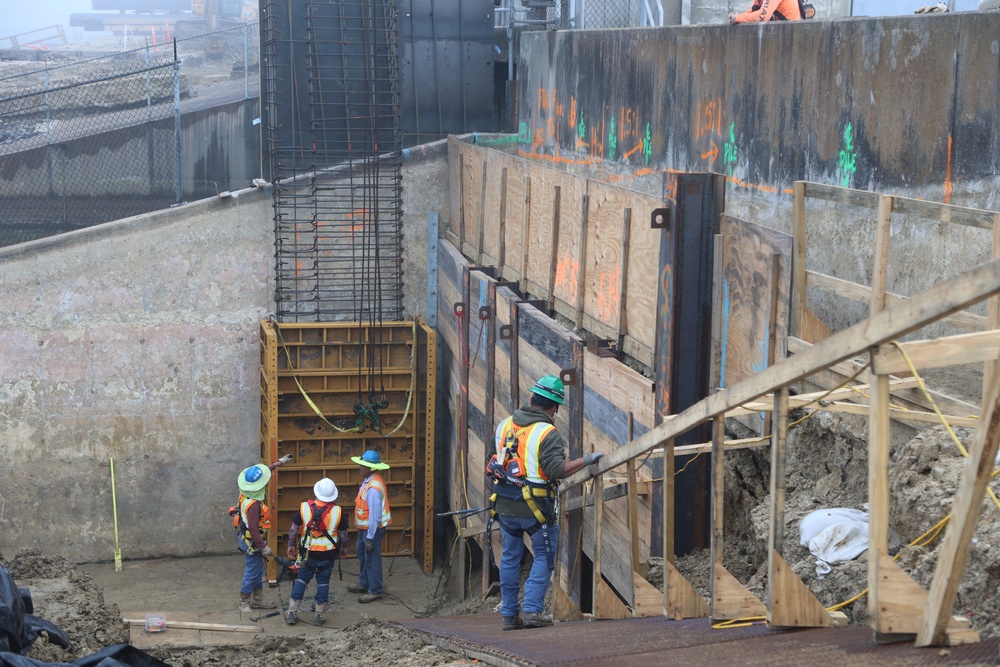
(530, 457)
(252, 518)
(371, 516)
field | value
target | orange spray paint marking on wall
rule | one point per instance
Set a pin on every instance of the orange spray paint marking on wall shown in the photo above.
(709, 119)
(572, 112)
(566, 272)
(947, 177)
(608, 295)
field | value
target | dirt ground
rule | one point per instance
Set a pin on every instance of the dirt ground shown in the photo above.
(90, 601)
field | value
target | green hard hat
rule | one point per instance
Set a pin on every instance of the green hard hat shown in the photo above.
(550, 387)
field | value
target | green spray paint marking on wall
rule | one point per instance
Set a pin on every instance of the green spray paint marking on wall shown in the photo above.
(612, 140)
(496, 141)
(581, 127)
(730, 150)
(523, 135)
(848, 158)
(647, 147)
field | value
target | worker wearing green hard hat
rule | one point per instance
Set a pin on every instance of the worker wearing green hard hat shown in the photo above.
(530, 457)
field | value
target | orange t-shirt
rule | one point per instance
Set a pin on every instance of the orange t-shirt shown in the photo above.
(765, 10)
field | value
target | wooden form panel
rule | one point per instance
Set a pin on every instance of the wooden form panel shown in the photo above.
(329, 362)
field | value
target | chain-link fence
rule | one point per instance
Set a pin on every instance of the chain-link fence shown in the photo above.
(95, 140)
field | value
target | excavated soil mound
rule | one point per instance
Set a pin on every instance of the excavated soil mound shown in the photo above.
(70, 599)
(367, 642)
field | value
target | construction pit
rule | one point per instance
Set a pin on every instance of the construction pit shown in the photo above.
(729, 342)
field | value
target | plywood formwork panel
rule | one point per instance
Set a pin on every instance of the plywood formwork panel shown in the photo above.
(340, 366)
(473, 193)
(641, 288)
(455, 185)
(514, 214)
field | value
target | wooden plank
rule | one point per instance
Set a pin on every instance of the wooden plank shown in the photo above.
(960, 320)
(938, 352)
(607, 249)
(879, 444)
(682, 600)
(880, 262)
(943, 299)
(669, 503)
(798, 257)
(598, 529)
(190, 625)
(623, 387)
(563, 608)
(833, 193)
(502, 224)
(550, 293)
(643, 263)
(622, 284)
(648, 601)
(965, 513)
(730, 599)
(718, 304)
(462, 209)
(525, 235)
(607, 604)
(779, 446)
(481, 208)
(455, 174)
(813, 329)
(718, 490)
(748, 276)
(992, 304)
(792, 604)
(581, 272)
(633, 505)
(970, 217)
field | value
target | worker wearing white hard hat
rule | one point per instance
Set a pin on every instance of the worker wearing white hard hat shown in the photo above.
(318, 533)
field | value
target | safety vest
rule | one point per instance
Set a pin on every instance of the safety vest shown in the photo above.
(361, 505)
(244, 525)
(529, 440)
(325, 537)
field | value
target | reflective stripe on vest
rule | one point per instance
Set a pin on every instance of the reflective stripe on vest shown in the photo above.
(361, 503)
(529, 440)
(321, 542)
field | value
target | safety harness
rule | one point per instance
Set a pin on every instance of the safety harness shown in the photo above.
(508, 468)
(239, 514)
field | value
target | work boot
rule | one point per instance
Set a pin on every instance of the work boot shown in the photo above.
(257, 600)
(244, 603)
(370, 597)
(292, 616)
(356, 588)
(512, 623)
(536, 620)
(320, 608)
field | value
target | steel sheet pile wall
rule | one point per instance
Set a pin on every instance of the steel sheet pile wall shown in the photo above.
(332, 365)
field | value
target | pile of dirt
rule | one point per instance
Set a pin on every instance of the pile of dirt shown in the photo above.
(367, 642)
(69, 598)
(827, 467)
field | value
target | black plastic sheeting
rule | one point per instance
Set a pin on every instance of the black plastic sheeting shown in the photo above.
(19, 628)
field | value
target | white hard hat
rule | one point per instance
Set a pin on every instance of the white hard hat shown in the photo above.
(325, 490)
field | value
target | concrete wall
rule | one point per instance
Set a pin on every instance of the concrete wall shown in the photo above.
(905, 105)
(138, 340)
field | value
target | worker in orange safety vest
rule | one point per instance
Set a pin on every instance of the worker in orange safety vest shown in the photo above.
(371, 516)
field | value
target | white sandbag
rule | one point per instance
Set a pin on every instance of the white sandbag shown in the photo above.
(834, 535)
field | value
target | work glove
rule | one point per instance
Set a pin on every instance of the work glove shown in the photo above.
(369, 545)
(266, 552)
(292, 553)
(285, 459)
(344, 538)
(592, 458)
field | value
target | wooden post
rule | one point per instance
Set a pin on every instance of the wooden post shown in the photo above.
(772, 321)
(598, 521)
(581, 267)
(482, 213)
(525, 236)
(965, 512)
(992, 309)
(461, 201)
(668, 501)
(718, 487)
(881, 258)
(798, 256)
(554, 245)
(502, 231)
(718, 304)
(623, 281)
(878, 492)
(633, 504)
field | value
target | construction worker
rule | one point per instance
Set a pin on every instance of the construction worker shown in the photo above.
(530, 457)
(769, 10)
(371, 516)
(314, 541)
(252, 518)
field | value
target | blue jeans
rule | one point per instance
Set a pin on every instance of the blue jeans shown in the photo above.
(512, 530)
(370, 563)
(253, 572)
(322, 569)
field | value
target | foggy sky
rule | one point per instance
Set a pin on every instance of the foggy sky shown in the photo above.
(24, 15)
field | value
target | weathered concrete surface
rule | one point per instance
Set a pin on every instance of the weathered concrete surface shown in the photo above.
(425, 189)
(136, 340)
(901, 105)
